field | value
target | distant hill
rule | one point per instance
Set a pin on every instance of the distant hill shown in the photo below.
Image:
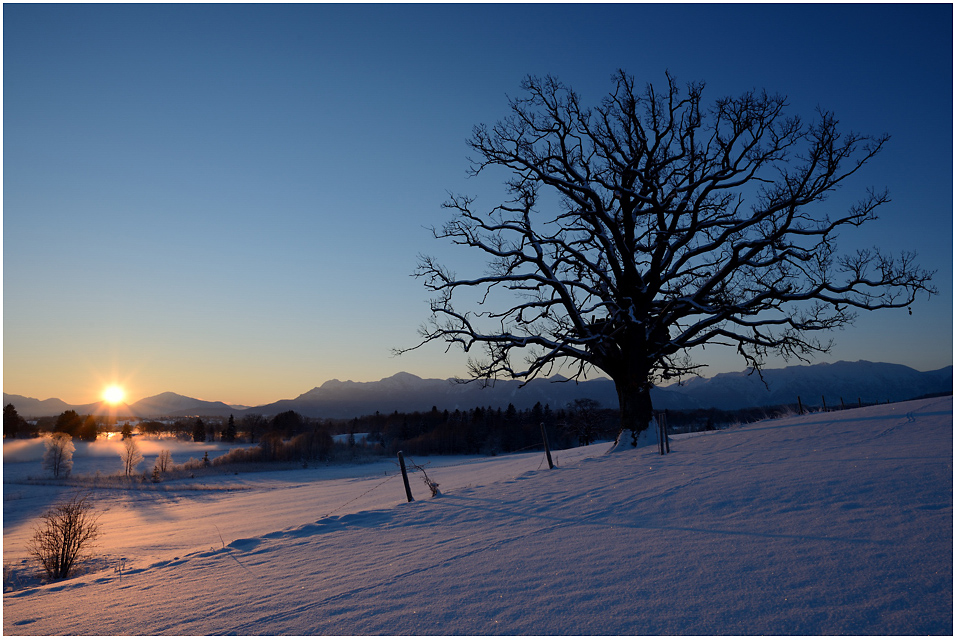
(31, 407)
(162, 405)
(847, 381)
(174, 405)
(404, 392)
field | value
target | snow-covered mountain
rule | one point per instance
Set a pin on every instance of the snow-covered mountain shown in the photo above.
(870, 381)
(848, 381)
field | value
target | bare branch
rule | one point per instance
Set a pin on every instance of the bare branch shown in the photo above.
(679, 224)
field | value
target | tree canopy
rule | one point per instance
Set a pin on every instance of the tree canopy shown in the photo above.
(654, 223)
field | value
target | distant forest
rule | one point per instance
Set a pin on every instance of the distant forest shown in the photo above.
(481, 430)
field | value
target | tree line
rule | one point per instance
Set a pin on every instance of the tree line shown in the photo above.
(480, 430)
(290, 436)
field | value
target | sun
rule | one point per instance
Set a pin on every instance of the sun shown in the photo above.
(113, 394)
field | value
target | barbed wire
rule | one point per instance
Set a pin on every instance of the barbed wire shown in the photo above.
(414, 465)
(346, 504)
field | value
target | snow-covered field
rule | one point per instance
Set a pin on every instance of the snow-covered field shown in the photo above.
(838, 523)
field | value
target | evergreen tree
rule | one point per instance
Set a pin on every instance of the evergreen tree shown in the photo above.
(12, 422)
(88, 430)
(199, 431)
(287, 423)
(230, 434)
(69, 422)
(537, 415)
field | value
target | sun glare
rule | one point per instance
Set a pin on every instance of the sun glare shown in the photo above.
(113, 394)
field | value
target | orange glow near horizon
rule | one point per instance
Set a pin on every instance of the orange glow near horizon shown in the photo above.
(113, 394)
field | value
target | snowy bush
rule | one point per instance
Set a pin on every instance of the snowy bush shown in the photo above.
(192, 464)
(164, 462)
(58, 456)
(65, 531)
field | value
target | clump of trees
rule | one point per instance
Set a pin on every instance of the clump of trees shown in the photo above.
(85, 428)
(310, 445)
(164, 462)
(481, 430)
(13, 424)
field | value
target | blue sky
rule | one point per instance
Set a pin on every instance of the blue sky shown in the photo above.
(227, 201)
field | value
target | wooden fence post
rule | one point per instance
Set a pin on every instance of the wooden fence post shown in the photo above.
(842, 404)
(859, 405)
(548, 453)
(824, 404)
(662, 420)
(405, 477)
(800, 407)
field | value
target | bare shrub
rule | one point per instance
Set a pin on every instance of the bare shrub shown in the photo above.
(64, 532)
(239, 456)
(429, 482)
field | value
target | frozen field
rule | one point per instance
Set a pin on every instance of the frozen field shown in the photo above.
(838, 523)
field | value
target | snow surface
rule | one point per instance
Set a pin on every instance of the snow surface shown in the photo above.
(837, 523)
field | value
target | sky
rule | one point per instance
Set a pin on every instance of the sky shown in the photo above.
(228, 201)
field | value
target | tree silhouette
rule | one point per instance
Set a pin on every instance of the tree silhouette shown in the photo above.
(12, 422)
(655, 223)
(69, 422)
(199, 430)
(229, 435)
(89, 429)
(131, 456)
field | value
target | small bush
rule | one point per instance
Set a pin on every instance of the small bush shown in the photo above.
(65, 531)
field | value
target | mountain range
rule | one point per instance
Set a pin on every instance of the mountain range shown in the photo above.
(831, 383)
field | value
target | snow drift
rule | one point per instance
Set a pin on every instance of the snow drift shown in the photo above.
(836, 523)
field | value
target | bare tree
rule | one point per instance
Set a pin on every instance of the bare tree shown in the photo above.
(58, 457)
(653, 224)
(131, 456)
(164, 462)
(66, 530)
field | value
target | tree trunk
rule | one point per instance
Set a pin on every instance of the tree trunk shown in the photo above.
(634, 405)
